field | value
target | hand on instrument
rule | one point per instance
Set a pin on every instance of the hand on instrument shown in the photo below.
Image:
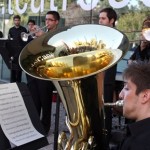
(37, 31)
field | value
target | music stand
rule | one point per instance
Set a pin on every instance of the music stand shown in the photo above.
(4, 52)
(34, 145)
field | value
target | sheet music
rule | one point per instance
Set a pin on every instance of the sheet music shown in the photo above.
(3, 38)
(14, 118)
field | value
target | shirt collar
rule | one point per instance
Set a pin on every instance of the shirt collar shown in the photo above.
(139, 126)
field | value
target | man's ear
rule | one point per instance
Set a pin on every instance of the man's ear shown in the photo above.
(112, 21)
(146, 96)
(57, 22)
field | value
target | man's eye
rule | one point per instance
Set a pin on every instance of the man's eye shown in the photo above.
(50, 19)
(126, 88)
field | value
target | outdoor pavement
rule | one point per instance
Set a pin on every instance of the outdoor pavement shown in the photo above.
(62, 126)
(118, 128)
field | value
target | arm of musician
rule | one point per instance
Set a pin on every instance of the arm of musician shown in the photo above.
(132, 57)
(39, 33)
(9, 34)
(130, 61)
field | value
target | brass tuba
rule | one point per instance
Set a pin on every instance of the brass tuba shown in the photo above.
(74, 59)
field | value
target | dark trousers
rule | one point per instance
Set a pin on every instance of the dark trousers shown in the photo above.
(41, 92)
(109, 88)
(15, 76)
(90, 98)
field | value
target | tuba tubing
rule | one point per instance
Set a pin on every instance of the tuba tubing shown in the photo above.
(75, 66)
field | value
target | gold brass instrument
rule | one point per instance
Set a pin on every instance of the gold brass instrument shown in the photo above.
(74, 59)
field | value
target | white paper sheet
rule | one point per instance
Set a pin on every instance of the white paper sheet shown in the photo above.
(14, 118)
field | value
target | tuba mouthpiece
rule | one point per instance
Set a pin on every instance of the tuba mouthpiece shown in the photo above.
(118, 103)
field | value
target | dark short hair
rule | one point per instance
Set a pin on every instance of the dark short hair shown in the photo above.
(55, 14)
(16, 17)
(111, 14)
(139, 73)
(32, 21)
(146, 23)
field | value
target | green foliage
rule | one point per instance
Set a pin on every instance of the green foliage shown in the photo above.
(131, 22)
(103, 4)
(130, 17)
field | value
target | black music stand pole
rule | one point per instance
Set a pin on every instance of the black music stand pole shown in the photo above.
(11, 68)
(56, 122)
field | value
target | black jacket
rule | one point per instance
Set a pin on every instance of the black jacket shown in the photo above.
(143, 55)
(15, 34)
(138, 136)
(1, 34)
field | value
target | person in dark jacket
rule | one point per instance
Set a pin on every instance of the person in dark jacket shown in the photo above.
(136, 96)
(42, 90)
(142, 52)
(15, 34)
(108, 17)
(31, 24)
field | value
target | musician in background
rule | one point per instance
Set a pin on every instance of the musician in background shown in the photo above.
(31, 24)
(142, 52)
(108, 17)
(136, 96)
(51, 21)
(42, 90)
(15, 34)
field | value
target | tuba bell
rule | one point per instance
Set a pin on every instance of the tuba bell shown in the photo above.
(74, 59)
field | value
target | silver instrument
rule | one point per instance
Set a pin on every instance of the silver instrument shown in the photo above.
(146, 33)
(118, 103)
(24, 35)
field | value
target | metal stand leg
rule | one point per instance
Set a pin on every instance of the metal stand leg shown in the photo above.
(11, 67)
(56, 122)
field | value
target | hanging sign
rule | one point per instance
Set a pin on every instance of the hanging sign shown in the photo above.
(82, 3)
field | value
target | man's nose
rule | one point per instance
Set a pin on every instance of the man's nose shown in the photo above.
(121, 95)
